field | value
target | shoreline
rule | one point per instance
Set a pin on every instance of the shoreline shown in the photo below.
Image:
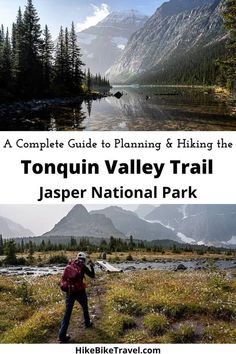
(38, 104)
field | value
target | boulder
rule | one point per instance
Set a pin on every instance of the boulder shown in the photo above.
(118, 95)
(180, 267)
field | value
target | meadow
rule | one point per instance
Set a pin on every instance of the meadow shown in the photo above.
(131, 307)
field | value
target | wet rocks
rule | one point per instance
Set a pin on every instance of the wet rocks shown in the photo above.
(180, 267)
(118, 95)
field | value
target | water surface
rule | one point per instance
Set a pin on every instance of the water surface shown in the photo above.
(125, 266)
(144, 108)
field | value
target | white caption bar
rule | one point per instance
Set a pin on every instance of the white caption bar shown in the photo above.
(120, 349)
(118, 168)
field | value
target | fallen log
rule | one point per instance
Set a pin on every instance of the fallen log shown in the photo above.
(107, 267)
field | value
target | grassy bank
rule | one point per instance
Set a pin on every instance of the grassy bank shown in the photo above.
(134, 307)
(56, 257)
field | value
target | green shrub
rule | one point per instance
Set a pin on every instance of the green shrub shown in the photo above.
(156, 324)
(24, 291)
(21, 261)
(129, 258)
(59, 259)
(184, 334)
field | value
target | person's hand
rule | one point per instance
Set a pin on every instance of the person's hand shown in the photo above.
(90, 262)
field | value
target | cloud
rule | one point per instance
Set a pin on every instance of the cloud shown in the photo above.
(99, 13)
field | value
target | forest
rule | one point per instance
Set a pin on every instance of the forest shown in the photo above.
(32, 65)
(22, 251)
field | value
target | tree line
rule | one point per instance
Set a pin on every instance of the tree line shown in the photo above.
(21, 252)
(32, 66)
(228, 64)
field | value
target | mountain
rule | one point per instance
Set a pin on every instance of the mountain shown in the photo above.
(167, 47)
(9, 229)
(130, 224)
(210, 224)
(78, 222)
(144, 210)
(103, 44)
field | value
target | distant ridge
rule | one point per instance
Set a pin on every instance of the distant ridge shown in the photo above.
(78, 222)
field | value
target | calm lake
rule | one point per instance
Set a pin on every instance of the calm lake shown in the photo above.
(141, 108)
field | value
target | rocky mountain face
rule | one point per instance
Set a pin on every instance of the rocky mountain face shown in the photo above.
(143, 210)
(179, 28)
(9, 229)
(104, 43)
(130, 224)
(210, 224)
(78, 222)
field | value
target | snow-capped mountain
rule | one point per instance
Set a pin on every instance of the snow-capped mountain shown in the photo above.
(179, 28)
(103, 44)
(204, 224)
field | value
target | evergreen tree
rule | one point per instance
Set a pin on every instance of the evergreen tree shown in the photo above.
(59, 78)
(1, 245)
(17, 52)
(76, 61)
(47, 59)
(67, 62)
(6, 68)
(10, 252)
(89, 80)
(22, 246)
(32, 51)
(31, 252)
(229, 65)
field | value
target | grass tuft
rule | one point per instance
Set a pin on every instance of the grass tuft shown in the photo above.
(156, 324)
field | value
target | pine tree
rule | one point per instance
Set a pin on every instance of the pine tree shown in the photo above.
(59, 78)
(31, 252)
(89, 80)
(32, 51)
(47, 59)
(10, 252)
(229, 65)
(6, 63)
(76, 61)
(17, 52)
(1, 245)
(67, 62)
(2, 42)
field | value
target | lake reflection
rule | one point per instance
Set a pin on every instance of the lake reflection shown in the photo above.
(141, 109)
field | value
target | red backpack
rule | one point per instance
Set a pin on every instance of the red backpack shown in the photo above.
(72, 278)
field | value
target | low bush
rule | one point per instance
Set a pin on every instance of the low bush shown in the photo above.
(184, 334)
(59, 259)
(156, 324)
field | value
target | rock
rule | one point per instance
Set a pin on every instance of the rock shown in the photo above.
(181, 267)
(130, 268)
(118, 95)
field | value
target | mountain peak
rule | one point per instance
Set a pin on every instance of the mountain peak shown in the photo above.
(124, 17)
(78, 211)
(173, 7)
(177, 30)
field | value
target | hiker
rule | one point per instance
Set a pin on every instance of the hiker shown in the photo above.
(72, 283)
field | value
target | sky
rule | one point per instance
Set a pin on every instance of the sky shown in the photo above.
(84, 13)
(42, 218)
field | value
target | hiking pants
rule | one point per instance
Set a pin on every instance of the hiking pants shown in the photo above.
(81, 297)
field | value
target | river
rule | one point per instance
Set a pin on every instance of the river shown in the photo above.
(142, 108)
(125, 266)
